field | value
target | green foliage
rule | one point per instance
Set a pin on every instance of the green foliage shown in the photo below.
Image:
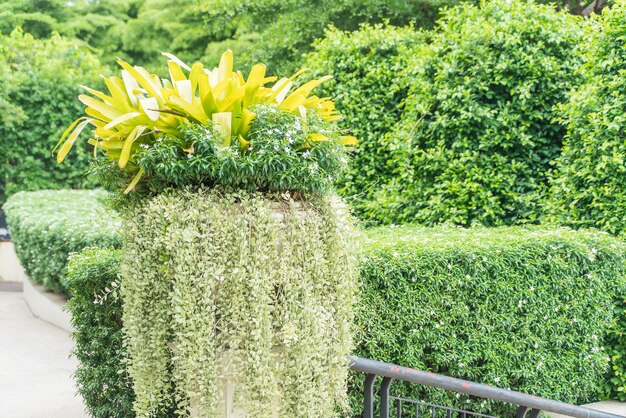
(251, 288)
(162, 25)
(525, 309)
(39, 83)
(369, 92)
(588, 190)
(249, 134)
(615, 343)
(37, 17)
(279, 33)
(275, 161)
(477, 136)
(46, 226)
(137, 29)
(580, 7)
(96, 308)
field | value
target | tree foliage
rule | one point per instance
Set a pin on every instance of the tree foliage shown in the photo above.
(477, 136)
(588, 190)
(39, 81)
(278, 33)
(369, 89)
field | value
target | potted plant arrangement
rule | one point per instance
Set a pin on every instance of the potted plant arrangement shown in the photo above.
(238, 274)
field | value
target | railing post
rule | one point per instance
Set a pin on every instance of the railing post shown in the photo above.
(521, 412)
(384, 397)
(368, 396)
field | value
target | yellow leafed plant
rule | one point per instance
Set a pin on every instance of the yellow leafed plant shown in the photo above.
(140, 107)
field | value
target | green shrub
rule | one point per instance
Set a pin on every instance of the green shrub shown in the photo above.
(477, 137)
(589, 188)
(214, 128)
(259, 285)
(96, 308)
(525, 309)
(48, 225)
(276, 161)
(369, 91)
(40, 79)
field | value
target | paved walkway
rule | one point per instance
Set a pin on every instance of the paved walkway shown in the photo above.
(35, 368)
(614, 407)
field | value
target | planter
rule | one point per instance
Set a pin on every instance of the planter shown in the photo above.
(238, 305)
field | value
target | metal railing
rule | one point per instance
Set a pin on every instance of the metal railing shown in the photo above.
(528, 406)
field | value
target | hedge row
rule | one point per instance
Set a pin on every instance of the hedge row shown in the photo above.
(526, 309)
(96, 307)
(46, 226)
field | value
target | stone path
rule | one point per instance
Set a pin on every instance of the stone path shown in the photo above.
(35, 368)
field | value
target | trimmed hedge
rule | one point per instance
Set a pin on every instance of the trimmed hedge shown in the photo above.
(369, 89)
(477, 137)
(39, 82)
(46, 226)
(589, 190)
(96, 308)
(526, 309)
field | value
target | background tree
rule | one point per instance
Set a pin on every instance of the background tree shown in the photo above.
(588, 189)
(39, 81)
(278, 33)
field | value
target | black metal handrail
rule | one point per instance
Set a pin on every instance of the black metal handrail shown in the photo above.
(529, 406)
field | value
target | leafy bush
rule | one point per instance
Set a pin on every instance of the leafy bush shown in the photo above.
(589, 188)
(369, 90)
(48, 225)
(38, 88)
(278, 158)
(96, 308)
(525, 309)
(128, 124)
(258, 285)
(477, 137)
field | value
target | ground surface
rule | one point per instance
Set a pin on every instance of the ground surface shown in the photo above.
(35, 368)
(614, 407)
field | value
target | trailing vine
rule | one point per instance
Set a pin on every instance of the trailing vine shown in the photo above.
(238, 287)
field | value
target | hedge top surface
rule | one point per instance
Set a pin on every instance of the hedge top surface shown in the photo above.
(445, 238)
(70, 212)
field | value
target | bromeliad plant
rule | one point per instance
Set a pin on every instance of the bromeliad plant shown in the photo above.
(219, 106)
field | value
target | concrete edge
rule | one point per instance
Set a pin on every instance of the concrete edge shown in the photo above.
(46, 305)
(10, 267)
